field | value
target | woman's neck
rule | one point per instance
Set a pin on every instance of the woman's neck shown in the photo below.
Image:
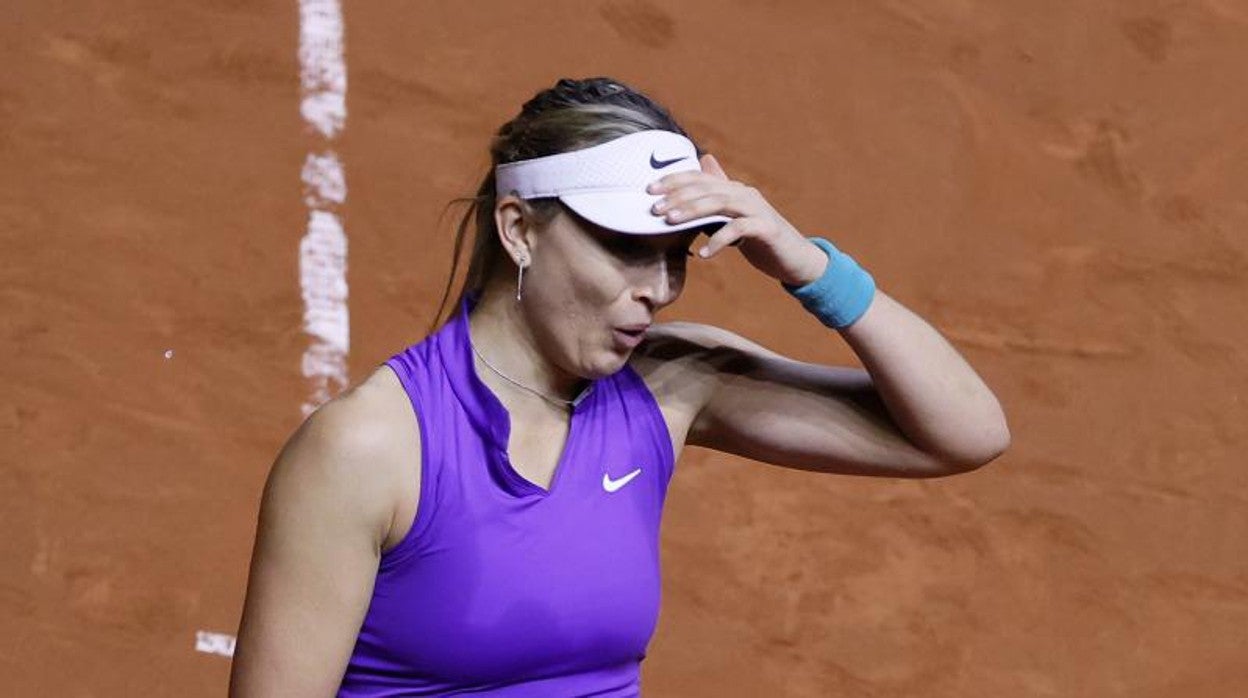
(503, 338)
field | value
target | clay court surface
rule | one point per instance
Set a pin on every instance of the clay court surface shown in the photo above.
(1058, 187)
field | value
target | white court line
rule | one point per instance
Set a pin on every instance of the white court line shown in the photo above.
(214, 643)
(323, 250)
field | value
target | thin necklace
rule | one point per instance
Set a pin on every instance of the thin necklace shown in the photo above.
(558, 402)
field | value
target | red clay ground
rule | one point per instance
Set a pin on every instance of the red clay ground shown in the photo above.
(1059, 187)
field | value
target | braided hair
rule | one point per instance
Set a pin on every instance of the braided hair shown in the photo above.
(572, 115)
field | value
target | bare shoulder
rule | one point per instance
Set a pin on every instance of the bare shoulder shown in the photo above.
(694, 351)
(671, 350)
(360, 425)
(359, 446)
(683, 363)
(720, 356)
(691, 368)
(329, 504)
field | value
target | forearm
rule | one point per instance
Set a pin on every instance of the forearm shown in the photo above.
(932, 394)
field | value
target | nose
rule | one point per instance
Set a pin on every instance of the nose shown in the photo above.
(658, 286)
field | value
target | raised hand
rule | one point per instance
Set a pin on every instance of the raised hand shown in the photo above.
(768, 241)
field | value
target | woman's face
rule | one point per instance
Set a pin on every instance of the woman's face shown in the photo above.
(591, 293)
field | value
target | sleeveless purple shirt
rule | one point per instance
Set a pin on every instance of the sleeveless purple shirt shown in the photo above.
(502, 588)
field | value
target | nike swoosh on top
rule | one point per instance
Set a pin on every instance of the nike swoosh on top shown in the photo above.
(660, 164)
(612, 485)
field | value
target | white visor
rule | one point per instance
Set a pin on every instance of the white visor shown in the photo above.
(606, 184)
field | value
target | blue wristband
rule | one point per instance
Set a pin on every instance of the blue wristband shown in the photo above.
(842, 294)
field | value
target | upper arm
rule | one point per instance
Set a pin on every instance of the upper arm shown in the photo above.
(732, 395)
(325, 511)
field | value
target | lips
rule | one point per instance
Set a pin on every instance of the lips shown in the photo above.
(630, 335)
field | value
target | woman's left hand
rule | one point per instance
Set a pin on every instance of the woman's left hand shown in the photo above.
(767, 240)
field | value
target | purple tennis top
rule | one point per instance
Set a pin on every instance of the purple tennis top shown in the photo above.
(501, 587)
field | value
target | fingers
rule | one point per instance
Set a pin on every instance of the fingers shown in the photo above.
(691, 201)
(727, 236)
(704, 198)
(690, 195)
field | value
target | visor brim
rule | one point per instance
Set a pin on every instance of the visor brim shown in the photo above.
(630, 212)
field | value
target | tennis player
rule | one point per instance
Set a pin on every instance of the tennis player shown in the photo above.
(481, 515)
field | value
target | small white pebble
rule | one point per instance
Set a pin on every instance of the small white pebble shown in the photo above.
(168, 353)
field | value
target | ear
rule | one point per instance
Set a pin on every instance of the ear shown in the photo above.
(514, 226)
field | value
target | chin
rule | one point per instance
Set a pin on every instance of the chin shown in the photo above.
(608, 363)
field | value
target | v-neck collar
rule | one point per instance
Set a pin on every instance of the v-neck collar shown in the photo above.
(487, 413)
